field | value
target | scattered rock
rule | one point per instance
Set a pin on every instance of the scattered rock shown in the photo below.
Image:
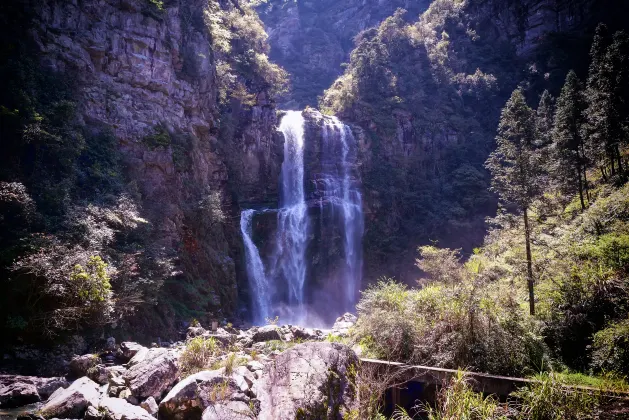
(232, 410)
(17, 394)
(119, 409)
(72, 401)
(343, 324)
(311, 378)
(150, 406)
(190, 397)
(195, 332)
(153, 375)
(266, 333)
(306, 333)
(98, 374)
(79, 365)
(254, 365)
(128, 349)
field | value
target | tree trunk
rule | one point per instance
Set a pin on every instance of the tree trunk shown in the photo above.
(619, 156)
(604, 173)
(585, 184)
(580, 189)
(529, 262)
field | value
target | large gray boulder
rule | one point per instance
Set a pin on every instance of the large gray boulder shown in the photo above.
(190, 397)
(118, 409)
(312, 379)
(16, 390)
(71, 403)
(80, 365)
(153, 374)
(266, 333)
(128, 349)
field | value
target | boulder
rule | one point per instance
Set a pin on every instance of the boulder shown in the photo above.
(153, 375)
(266, 333)
(79, 365)
(343, 324)
(195, 332)
(231, 410)
(190, 397)
(98, 374)
(128, 349)
(138, 357)
(254, 365)
(312, 379)
(306, 333)
(17, 394)
(119, 409)
(150, 405)
(72, 401)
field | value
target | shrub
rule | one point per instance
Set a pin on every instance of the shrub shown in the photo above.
(549, 398)
(453, 326)
(197, 355)
(611, 348)
(457, 400)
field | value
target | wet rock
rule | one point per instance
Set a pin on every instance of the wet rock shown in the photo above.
(119, 409)
(154, 374)
(190, 397)
(72, 401)
(150, 405)
(266, 333)
(312, 378)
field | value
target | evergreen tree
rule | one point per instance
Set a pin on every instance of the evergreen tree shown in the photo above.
(569, 161)
(616, 77)
(544, 122)
(607, 112)
(595, 130)
(516, 169)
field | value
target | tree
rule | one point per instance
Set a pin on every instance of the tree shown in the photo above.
(516, 170)
(569, 161)
(616, 79)
(607, 89)
(545, 117)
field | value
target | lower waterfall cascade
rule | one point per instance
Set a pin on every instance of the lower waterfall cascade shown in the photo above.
(279, 278)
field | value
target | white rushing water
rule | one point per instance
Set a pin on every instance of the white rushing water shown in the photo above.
(282, 290)
(292, 218)
(256, 272)
(343, 193)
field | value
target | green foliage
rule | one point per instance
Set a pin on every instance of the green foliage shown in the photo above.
(198, 355)
(92, 282)
(457, 400)
(452, 325)
(548, 398)
(160, 138)
(611, 348)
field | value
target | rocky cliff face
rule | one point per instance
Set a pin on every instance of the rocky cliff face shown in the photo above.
(148, 73)
(311, 39)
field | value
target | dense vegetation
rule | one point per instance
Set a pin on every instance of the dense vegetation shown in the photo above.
(548, 290)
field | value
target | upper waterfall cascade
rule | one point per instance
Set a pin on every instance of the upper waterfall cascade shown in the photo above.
(287, 286)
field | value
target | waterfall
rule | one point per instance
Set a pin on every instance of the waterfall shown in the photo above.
(336, 268)
(342, 192)
(292, 219)
(255, 270)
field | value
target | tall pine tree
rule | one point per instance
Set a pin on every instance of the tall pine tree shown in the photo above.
(595, 130)
(616, 77)
(516, 169)
(569, 161)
